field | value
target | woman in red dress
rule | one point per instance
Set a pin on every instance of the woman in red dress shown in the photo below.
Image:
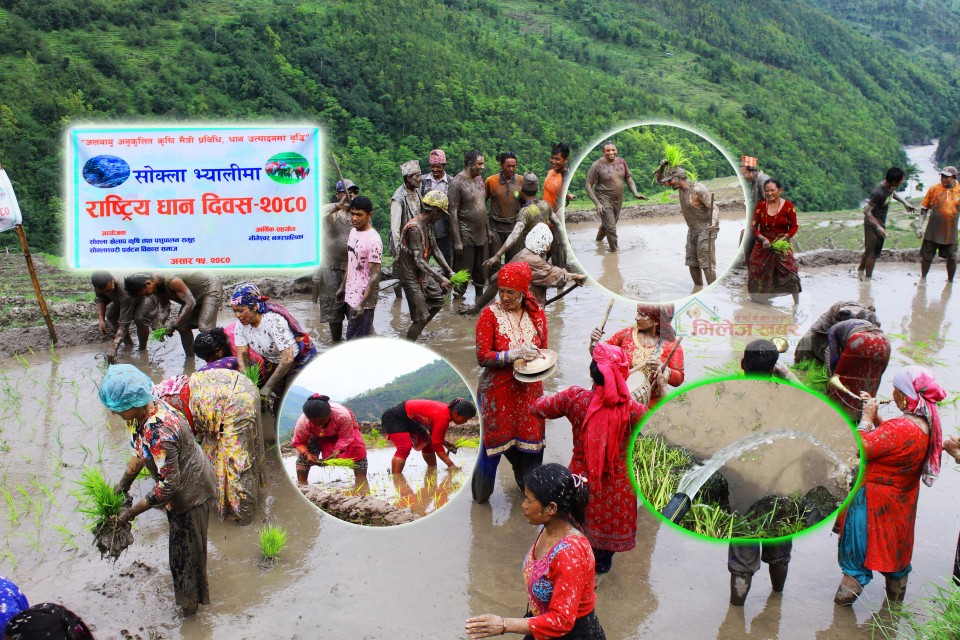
(769, 272)
(512, 329)
(558, 570)
(858, 352)
(648, 345)
(876, 533)
(602, 419)
(422, 425)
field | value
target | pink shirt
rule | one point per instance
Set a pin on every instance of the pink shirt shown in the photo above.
(342, 432)
(363, 249)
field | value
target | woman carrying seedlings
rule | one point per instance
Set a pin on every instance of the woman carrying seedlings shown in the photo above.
(772, 270)
(558, 570)
(327, 431)
(222, 407)
(269, 329)
(515, 328)
(648, 345)
(216, 348)
(858, 352)
(161, 441)
(602, 419)
(876, 532)
(422, 425)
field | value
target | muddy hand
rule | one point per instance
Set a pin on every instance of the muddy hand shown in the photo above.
(485, 625)
(596, 334)
(952, 446)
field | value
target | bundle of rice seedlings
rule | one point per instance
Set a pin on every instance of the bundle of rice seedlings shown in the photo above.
(460, 278)
(469, 443)
(675, 157)
(781, 246)
(932, 617)
(158, 335)
(340, 462)
(101, 505)
(273, 538)
(253, 372)
(812, 373)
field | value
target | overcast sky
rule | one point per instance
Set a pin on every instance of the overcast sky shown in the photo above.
(361, 365)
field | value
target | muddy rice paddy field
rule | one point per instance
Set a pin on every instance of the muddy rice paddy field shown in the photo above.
(421, 580)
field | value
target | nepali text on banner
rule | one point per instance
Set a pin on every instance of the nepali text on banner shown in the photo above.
(9, 209)
(213, 197)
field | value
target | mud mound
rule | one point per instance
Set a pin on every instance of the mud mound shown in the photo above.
(364, 510)
(112, 538)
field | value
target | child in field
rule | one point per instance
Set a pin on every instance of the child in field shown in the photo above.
(362, 282)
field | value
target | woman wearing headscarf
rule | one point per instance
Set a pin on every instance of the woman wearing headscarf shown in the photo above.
(48, 621)
(216, 347)
(161, 440)
(515, 328)
(876, 533)
(327, 430)
(602, 419)
(558, 571)
(269, 329)
(648, 344)
(222, 407)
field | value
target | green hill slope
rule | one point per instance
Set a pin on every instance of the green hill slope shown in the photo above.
(435, 381)
(824, 106)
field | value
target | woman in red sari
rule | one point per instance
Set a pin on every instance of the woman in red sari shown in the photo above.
(876, 533)
(648, 345)
(858, 352)
(512, 329)
(602, 419)
(769, 272)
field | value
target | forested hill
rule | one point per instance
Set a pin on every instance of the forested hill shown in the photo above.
(824, 106)
(435, 381)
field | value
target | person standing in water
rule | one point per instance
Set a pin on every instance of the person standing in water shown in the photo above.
(605, 181)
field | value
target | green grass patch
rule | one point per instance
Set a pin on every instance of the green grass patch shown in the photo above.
(934, 617)
(375, 439)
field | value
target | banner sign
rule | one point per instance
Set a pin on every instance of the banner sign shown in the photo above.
(9, 209)
(194, 198)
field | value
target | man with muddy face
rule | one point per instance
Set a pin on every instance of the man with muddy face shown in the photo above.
(875, 219)
(405, 205)
(121, 310)
(605, 181)
(942, 201)
(557, 176)
(703, 222)
(755, 180)
(439, 180)
(503, 192)
(468, 220)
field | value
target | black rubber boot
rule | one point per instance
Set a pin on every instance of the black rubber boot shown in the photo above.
(778, 576)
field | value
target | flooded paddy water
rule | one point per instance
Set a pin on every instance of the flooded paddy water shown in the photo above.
(422, 580)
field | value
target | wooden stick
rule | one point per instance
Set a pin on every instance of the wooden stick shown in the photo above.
(339, 173)
(561, 294)
(607, 314)
(36, 283)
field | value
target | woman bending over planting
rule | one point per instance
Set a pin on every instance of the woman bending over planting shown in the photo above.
(772, 269)
(558, 570)
(161, 440)
(327, 431)
(216, 347)
(858, 352)
(223, 409)
(422, 425)
(269, 329)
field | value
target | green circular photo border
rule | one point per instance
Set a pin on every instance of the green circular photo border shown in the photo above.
(714, 380)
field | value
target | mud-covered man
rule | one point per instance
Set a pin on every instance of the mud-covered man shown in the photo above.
(532, 212)
(503, 193)
(468, 219)
(755, 180)
(335, 227)
(424, 287)
(405, 205)
(942, 202)
(605, 181)
(702, 218)
(875, 219)
(439, 180)
(121, 310)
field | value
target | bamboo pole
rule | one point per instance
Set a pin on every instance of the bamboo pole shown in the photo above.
(36, 283)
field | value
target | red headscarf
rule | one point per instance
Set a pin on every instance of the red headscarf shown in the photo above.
(518, 276)
(608, 416)
(923, 393)
(662, 316)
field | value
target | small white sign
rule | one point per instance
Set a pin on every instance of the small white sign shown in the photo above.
(9, 209)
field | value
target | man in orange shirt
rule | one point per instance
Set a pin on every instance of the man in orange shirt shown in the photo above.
(942, 201)
(557, 176)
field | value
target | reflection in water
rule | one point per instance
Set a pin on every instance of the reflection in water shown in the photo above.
(764, 625)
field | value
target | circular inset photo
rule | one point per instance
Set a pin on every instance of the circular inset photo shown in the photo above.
(745, 458)
(657, 214)
(106, 172)
(287, 167)
(379, 432)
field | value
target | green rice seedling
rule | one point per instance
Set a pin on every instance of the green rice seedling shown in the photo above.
(469, 443)
(781, 246)
(97, 499)
(933, 617)
(158, 335)
(460, 278)
(45, 490)
(253, 372)
(13, 514)
(53, 354)
(674, 155)
(812, 373)
(375, 439)
(728, 368)
(67, 538)
(273, 538)
(9, 557)
(340, 462)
